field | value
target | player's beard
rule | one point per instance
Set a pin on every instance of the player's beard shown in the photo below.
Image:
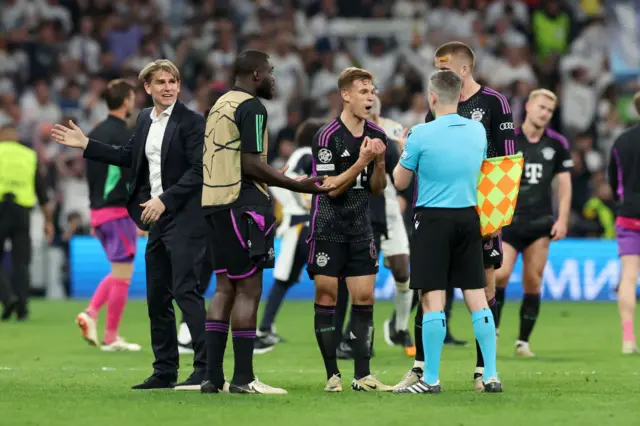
(265, 89)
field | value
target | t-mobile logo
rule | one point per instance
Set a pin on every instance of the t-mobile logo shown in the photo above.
(533, 172)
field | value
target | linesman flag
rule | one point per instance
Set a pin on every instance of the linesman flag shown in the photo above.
(498, 186)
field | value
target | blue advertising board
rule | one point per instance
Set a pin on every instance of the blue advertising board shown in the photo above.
(577, 270)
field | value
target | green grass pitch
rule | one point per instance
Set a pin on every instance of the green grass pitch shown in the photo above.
(49, 376)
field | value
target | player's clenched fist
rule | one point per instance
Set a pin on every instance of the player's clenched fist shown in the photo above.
(371, 148)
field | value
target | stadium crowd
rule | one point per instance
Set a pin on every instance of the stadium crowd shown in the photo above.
(56, 57)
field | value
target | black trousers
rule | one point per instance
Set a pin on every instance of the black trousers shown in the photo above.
(14, 226)
(172, 273)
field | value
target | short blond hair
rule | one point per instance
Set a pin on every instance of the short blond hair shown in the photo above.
(543, 92)
(456, 48)
(352, 74)
(147, 73)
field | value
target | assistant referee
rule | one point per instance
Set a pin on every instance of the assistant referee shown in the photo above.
(20, 188)
(446, 247)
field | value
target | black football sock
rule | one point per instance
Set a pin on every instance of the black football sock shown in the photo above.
(216, 338)
(493, 306)
(362, 328)
(341, 308)
(243, 343)
(529, 311)
(479, 358)
(324, 320)
(276, 296)
(416, 300)
(418, 335)
(499, 305)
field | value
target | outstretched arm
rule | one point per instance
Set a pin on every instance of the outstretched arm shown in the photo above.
(95, 150)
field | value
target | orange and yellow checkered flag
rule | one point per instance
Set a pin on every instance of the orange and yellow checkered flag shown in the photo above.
(498, 186)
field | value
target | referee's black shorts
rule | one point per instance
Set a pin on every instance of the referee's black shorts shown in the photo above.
(446, 249)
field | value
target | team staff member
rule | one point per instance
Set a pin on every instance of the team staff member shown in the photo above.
(165, 156)
(446, 250)
(20, 188)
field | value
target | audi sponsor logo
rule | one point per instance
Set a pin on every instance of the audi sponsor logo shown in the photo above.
(506, 126)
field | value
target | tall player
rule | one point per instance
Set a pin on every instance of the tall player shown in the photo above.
(238, 208)
(623, 178)
(546, 156)
(492, 109)
(114, 228)
(350, 152)
(293, 231)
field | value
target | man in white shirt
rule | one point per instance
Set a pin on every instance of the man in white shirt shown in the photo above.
(165, 155)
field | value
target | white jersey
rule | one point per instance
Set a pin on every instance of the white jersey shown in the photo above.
(294, 204)
(392, 206)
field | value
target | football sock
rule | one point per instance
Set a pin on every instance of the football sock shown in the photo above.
(341, 308)
(529, 310)
(479, 353)
(628, 334)
(434, 330)
(362, 320)
(326, 337)
(418, 335)
(403, 299)
(276, 296)
(243, 343)
(216, 333)
(100, 296)
(484, 329)
(499, 305)
(115, 307)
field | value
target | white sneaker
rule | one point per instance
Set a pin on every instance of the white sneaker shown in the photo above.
(88, 328)
(523, 350)
(257, 387)
(478, 380)
(630, 347)
(370, 383)
(184, 336)
(334, 384)
(184, 350)
(120, 345)
(412, 377)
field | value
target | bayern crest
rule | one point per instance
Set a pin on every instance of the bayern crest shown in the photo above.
(477, 114)
(548, 153)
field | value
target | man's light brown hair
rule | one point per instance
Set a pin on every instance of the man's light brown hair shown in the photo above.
(543, 92)
(352, 74)
(147, 73)
(456, 48)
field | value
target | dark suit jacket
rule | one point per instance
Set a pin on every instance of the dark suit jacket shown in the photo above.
(181, 168)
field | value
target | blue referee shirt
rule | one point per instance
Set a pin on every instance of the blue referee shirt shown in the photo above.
(446, 155)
